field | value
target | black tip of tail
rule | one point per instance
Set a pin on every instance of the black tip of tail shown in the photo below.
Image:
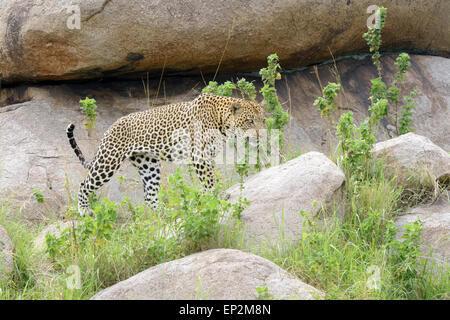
(69, 130)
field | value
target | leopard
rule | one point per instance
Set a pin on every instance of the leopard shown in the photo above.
(185, 130)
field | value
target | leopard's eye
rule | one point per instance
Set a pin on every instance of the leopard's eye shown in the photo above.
(251, 122)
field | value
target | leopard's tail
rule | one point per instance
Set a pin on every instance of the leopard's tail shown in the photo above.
(75, 147)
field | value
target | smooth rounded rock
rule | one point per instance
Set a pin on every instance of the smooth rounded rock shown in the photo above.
(414, 155)
(219, 274)
(277, 196)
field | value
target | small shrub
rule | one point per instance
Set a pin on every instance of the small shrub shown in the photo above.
(197, 215)
(88, 108)
(406, 257)
(406, 114)
(357, 141)
(326, 103)
(279, 118)
(38, 195)
(247, 89)
(262, 293)
(225, 89)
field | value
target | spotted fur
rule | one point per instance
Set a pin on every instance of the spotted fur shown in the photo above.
(147, 137)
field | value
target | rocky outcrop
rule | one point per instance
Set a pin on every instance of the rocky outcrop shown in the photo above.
(6, 255)
(277, 196)
(413, 155)
(34, 151)
(435, 220)
(219, 274)
(42, 40)
(308, 130)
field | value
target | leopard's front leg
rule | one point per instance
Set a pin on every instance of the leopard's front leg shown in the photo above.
(205, 173)
(204, 165)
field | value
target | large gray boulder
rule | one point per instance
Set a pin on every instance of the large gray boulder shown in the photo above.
(435, 220)
(6, 255)
(277, 196)
(414, 155)
(220, 274)
(40, 40)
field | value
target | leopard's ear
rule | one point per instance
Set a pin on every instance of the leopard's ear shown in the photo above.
(236, 108)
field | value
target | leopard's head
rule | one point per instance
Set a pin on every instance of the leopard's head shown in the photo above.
(245, 118)
(235, 117)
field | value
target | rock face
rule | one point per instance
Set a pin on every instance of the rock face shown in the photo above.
(213, 275)
(41, 40)
(6, 255)
(34, 151)
(278, 194)
(54, 229)
(435, 221)
(430, 75)
(411, 154)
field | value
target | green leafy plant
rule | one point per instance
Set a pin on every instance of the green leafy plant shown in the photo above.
(326, 103)
(379, 89)
(88, 108)
(97, 229)
(408, 265)
(279, 118)
(247, 89)
(373, 38)
(225, 89)
(38, 195)
(197, 214)
(406, 114)
(356, 141)
(262, 293)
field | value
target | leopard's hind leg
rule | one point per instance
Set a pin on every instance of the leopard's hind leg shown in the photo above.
(101, 170)
(149, 169)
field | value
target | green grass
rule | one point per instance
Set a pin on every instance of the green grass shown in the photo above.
(108, 249)
(342, 258)
(29, 278)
